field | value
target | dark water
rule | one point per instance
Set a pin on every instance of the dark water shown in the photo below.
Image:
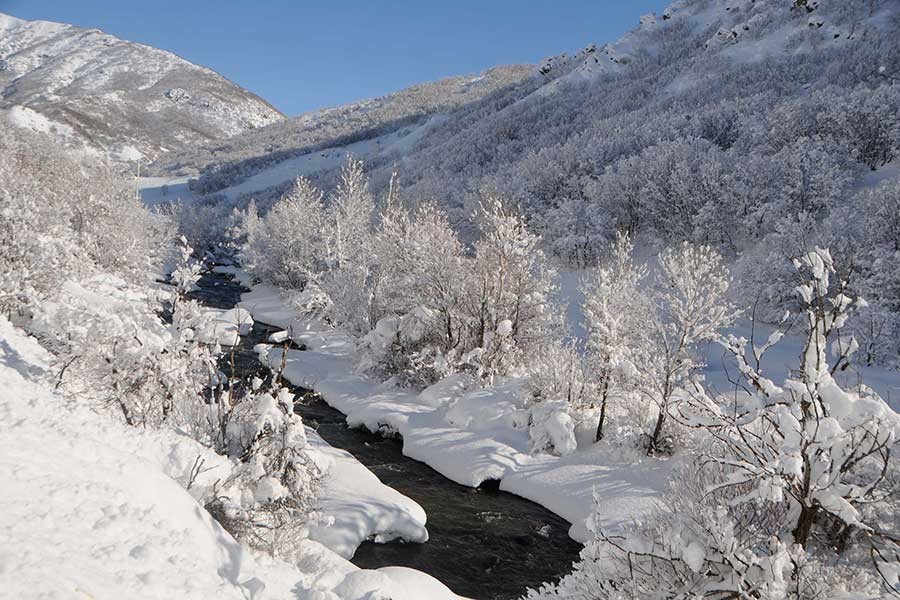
(484, 543)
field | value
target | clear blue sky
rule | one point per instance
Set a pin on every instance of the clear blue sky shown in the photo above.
(301, 55)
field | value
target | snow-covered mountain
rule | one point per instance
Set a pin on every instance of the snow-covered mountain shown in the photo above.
(547, 133)
(231, 162)
(119, 98)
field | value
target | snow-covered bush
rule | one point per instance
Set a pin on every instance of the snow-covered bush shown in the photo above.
(409, 348)
(703, 542)
(115, 228)
(113, 347)
(269, 499)
(560, 397)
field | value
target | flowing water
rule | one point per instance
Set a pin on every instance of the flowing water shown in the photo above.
(484, 543)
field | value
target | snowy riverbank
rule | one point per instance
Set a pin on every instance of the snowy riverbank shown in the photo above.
(468, 435)
(119, 520)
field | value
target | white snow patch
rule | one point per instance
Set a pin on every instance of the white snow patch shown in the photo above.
(395, 143)
(164, 190)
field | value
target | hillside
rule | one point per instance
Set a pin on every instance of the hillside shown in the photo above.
(227, 163)
(118, 98)
(757, 127)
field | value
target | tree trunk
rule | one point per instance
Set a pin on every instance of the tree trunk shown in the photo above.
(804, 525)
(654, 439)
(599, 435)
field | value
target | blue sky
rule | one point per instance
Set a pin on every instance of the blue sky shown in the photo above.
(301, 55)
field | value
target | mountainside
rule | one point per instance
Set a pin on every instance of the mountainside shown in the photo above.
(758, 127)
(703, 70)
(120, 98)
(707, 70)
(232, 161)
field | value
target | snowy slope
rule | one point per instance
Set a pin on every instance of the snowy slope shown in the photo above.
(91, 508)
(383, 147)
(125, 99)
(237, 158)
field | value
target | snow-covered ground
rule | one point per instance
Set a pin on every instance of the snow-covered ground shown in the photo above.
(161, 190)
(90, 507)
(395, 143)
(468, 435)
(358, 507)
(155, 191)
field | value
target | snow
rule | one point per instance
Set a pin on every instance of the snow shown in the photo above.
(358, 507)
(163, 190)
(269, 305)
(395, 143)
(469, 435)
(224, 326)
(93, 508)
(22, 116)
(27, 118)
(873, 179)
(446, 390)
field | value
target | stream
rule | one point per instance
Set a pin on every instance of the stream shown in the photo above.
(484, 543)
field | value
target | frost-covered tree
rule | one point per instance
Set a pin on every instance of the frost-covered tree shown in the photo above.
(690, 302)
(703, 541)
(417, 287)
(509, 289)
(822, 449)
(794, 494)
(288, 248)
(39, 246)
(349, 221)
(616, 311)
(62, 218)
(351, 210)
(872, 226)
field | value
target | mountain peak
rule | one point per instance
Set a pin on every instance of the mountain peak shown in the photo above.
(120, 98)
